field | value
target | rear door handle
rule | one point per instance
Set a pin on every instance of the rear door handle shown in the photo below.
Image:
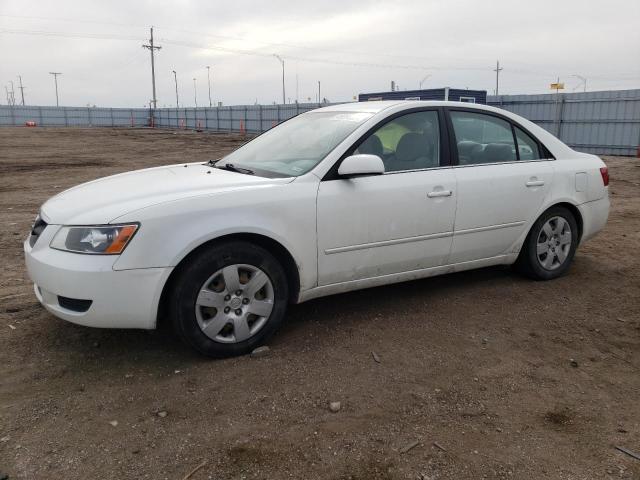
(535, 183)
(440, 193)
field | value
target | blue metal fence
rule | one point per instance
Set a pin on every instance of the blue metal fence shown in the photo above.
(250, 118)
(74, 116)
(606, 123)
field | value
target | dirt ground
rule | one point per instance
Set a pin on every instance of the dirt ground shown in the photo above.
(482, 374)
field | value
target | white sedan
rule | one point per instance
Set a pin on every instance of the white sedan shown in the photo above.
(337, 199)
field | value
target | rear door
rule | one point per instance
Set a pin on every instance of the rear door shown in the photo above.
(502, 181)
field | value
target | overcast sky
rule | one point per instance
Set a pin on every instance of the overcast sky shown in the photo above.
(350, 46)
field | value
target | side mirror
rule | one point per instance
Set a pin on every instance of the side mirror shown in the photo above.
(361, 164)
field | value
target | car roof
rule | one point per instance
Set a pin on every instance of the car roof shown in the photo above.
(371, 107)
(379, 105)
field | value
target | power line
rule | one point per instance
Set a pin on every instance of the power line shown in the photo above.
(223, 37)
(99, 36)
(237, 51)
(289, 57)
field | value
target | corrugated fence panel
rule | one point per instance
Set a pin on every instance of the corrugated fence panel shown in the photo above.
(74, 116)
(605, 122)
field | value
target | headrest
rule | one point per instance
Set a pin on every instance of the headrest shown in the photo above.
(468, 152)
(498, 152)
(410, 147)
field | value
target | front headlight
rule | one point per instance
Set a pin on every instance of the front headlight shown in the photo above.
(101, 239)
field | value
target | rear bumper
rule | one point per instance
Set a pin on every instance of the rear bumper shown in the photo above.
(119, 299)
(594, 217)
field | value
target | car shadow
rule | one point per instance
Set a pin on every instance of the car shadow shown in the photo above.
(371, 301)
(84, 344)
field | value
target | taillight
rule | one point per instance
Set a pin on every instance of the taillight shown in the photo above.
(604, 171)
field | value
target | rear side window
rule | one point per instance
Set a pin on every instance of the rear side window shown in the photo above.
(408, 142)
(527, 146)
(482, 138)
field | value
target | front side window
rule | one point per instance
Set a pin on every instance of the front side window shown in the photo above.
(297, 145)
(409, 142)
(482, 138)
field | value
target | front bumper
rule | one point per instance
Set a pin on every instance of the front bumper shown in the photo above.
(119, 299)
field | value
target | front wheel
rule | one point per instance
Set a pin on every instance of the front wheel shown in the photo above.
(550, 246)
(228, 299)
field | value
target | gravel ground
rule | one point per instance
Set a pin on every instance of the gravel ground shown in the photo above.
(480, 374)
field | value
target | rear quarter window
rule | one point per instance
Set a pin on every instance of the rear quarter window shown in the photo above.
(527, 147)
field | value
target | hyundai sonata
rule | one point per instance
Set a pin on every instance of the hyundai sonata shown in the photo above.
(337, 199)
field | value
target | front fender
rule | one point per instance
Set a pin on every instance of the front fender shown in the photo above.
(169, 232)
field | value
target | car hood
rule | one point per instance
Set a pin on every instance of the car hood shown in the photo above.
(103, 200)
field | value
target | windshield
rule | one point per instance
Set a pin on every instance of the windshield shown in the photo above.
(297, 145)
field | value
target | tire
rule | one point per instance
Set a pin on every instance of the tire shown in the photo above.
(550, 232)
(221, 323)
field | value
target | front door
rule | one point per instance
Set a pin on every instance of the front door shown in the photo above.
(396, 222)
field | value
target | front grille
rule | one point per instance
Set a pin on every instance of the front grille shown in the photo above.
(38, 227)
(74, 304)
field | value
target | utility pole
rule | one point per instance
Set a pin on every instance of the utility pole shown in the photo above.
(319, 97)
(195, 93)
(209, 83)
(21, 89)
(55, 79)
(498, 69)
(282, 62)
(152, 48)
(175, 79)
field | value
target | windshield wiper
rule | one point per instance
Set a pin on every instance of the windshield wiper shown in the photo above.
(232, 168)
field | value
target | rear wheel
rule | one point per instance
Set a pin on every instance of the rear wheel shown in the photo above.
(549, 248)
(228, 299)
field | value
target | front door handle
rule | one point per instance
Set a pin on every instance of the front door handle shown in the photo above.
(535, 183)
(440, 193)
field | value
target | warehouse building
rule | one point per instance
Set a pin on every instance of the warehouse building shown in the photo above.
(453, 94)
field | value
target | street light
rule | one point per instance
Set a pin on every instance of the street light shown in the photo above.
(209, 83)
(282, 62)
(583, 82)
(175, 79)
(9, 102)
(195, 93)
(424, 80)
(13, 93)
